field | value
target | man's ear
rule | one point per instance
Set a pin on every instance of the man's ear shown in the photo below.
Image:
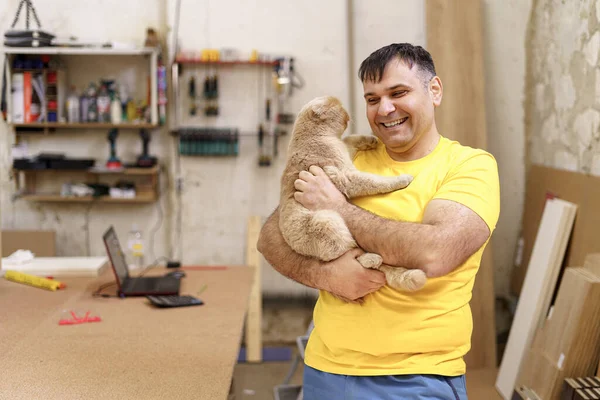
(436, 90)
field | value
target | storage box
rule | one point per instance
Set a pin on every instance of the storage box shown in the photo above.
(568, 344)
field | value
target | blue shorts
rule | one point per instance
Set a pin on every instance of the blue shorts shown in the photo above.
(321, 385)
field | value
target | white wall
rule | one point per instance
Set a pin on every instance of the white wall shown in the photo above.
(378, 23)
(219, 194)
(505, 26)
(98, 21)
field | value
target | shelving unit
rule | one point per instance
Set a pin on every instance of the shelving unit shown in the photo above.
(86, 125)
(145, 179)
(151, 53)
(146, 192)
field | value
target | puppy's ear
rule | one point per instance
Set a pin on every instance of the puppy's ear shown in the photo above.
(322, 105)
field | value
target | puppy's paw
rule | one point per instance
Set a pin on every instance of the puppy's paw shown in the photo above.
(402, 181)
(408, 280)
(370, 260)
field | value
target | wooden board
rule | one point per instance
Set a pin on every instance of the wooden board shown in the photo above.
(547, 257)
(254, 316)
(567, 345)
(136, 352)
(455, 41)
(60, 266)
(42, 243)
(578, 188)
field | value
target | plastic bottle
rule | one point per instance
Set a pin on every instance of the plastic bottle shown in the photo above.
(92, 103)
(73, 106)
(103, 104)
(115, 110)
(136, 248)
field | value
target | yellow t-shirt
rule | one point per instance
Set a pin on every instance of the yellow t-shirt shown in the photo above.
(428, 331)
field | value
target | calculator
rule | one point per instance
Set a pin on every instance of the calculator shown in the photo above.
(174, 301)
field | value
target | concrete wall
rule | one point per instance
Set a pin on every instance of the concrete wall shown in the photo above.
(505, 28)
(563, 85)
(207, 224)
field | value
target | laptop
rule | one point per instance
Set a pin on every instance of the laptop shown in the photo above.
(135, 286)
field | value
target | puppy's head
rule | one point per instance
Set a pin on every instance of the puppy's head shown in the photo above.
(328, 111)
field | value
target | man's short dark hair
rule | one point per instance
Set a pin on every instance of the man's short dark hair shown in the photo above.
(372, 67)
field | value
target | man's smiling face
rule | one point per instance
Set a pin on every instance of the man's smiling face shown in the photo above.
(400, 107)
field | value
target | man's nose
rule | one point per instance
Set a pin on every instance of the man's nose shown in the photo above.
(385, 107)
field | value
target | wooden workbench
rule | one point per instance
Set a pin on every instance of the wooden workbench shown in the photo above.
(137, 351)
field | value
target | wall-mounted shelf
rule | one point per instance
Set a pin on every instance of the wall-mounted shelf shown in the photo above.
(202, 62)
(96, 170)
(151, 53)
(46, 127)
(102, 51)
(57, 198)
(147, 192)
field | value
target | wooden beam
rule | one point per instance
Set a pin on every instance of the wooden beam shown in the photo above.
(254, 314)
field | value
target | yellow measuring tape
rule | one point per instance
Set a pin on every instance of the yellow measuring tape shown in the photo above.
(33, 280)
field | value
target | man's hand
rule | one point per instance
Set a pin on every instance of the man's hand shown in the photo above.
(315, 190)
(350, 280)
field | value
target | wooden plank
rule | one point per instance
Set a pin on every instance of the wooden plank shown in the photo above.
(455, 41)
(547, 257)
(84, 125)
(61, 266)
(88, 51)
(483, 340)
(254, 315)
(56, 198)
(40, 242)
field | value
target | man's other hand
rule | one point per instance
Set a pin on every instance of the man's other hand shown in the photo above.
(350, 280)
(315, 191)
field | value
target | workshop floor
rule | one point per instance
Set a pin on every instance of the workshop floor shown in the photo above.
(256, 381)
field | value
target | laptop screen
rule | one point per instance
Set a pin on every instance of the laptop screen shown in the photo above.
(116, 255)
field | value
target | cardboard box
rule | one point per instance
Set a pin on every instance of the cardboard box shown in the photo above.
(568, 343)
(40, 242)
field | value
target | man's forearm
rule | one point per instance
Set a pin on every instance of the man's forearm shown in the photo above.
(305, 270)
(402, 244)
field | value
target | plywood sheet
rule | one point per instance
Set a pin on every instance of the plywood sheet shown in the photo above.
(547, 257)
(581, 189)
(60, 266)
(455, 41)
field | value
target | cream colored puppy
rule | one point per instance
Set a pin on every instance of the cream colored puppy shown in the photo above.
(316, 140)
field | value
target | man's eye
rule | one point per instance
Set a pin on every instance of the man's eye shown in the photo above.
(399, 93)
(372, 100)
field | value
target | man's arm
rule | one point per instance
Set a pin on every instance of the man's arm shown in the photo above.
(344, 277)
(449, 234)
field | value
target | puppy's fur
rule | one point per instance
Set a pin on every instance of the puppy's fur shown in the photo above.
(323, 234)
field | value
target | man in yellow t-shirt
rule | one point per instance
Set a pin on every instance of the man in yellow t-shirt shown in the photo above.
(397, 345)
